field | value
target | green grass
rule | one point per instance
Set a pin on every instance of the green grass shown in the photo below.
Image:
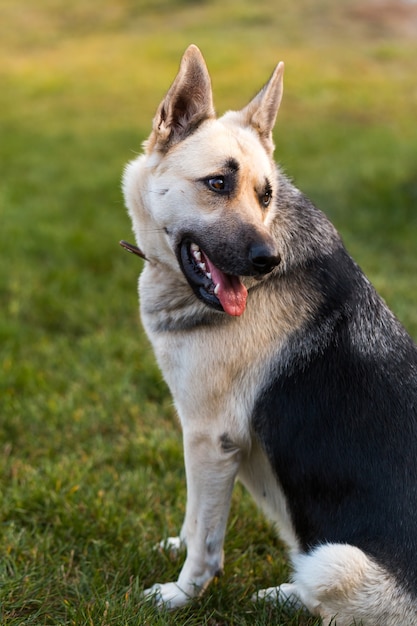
(91, 473)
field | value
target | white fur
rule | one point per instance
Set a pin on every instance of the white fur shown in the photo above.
(341, 582)
(344, 587)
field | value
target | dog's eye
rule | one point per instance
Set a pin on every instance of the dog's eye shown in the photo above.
(218, 183)
(266, 197)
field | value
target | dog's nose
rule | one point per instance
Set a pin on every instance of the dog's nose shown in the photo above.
(262, 258)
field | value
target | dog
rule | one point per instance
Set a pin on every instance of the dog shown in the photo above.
(287, 370)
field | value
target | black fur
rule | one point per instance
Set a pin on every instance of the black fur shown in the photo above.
(339, 421)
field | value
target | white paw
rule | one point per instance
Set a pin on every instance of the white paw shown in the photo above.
(167, 595)
(173, 545)
(284, 594)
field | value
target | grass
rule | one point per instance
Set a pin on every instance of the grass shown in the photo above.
(91, 472)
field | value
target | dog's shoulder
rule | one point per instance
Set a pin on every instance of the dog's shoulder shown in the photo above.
(338, 420)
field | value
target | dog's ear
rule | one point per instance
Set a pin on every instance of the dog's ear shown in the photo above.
(187, 104)
(261, 112)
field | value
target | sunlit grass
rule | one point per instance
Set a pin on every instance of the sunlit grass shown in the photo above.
(91, 473)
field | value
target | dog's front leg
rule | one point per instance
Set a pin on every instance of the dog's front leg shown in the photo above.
(211, 469)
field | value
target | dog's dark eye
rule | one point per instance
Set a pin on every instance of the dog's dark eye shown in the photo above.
(217, 183)
(266, 197)
(222, 184)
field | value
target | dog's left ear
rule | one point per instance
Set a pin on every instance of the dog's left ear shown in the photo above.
(262, 111)
(187, 104)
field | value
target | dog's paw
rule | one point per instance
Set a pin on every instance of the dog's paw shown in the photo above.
(172, 545)
(167, 595)
(284, 594)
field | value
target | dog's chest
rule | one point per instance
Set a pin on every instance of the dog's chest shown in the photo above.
(215, 365)
(199, 360)
(205, 373)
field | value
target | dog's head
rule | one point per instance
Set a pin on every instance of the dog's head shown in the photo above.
(201, 197)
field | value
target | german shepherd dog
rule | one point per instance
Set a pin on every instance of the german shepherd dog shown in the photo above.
(287, 370)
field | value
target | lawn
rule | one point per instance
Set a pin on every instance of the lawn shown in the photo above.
(91, 473)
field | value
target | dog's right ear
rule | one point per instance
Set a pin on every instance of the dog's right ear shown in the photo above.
(187, 104)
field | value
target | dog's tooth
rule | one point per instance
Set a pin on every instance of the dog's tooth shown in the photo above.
(194, 247)
(216, 290)
(197, 255)
(202, 266)
(208, 274)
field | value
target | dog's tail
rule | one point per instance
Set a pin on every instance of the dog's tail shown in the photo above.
(344, 586)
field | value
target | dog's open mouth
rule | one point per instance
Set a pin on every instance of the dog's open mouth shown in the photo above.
(217, 289)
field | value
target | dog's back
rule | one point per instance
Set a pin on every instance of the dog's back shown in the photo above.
(345, 448)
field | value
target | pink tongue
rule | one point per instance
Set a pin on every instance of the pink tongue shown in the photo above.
(231, 293)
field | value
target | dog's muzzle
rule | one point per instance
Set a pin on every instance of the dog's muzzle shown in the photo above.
(219, 289)
(262, 260)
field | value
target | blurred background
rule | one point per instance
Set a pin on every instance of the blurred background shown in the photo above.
(85, 416)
